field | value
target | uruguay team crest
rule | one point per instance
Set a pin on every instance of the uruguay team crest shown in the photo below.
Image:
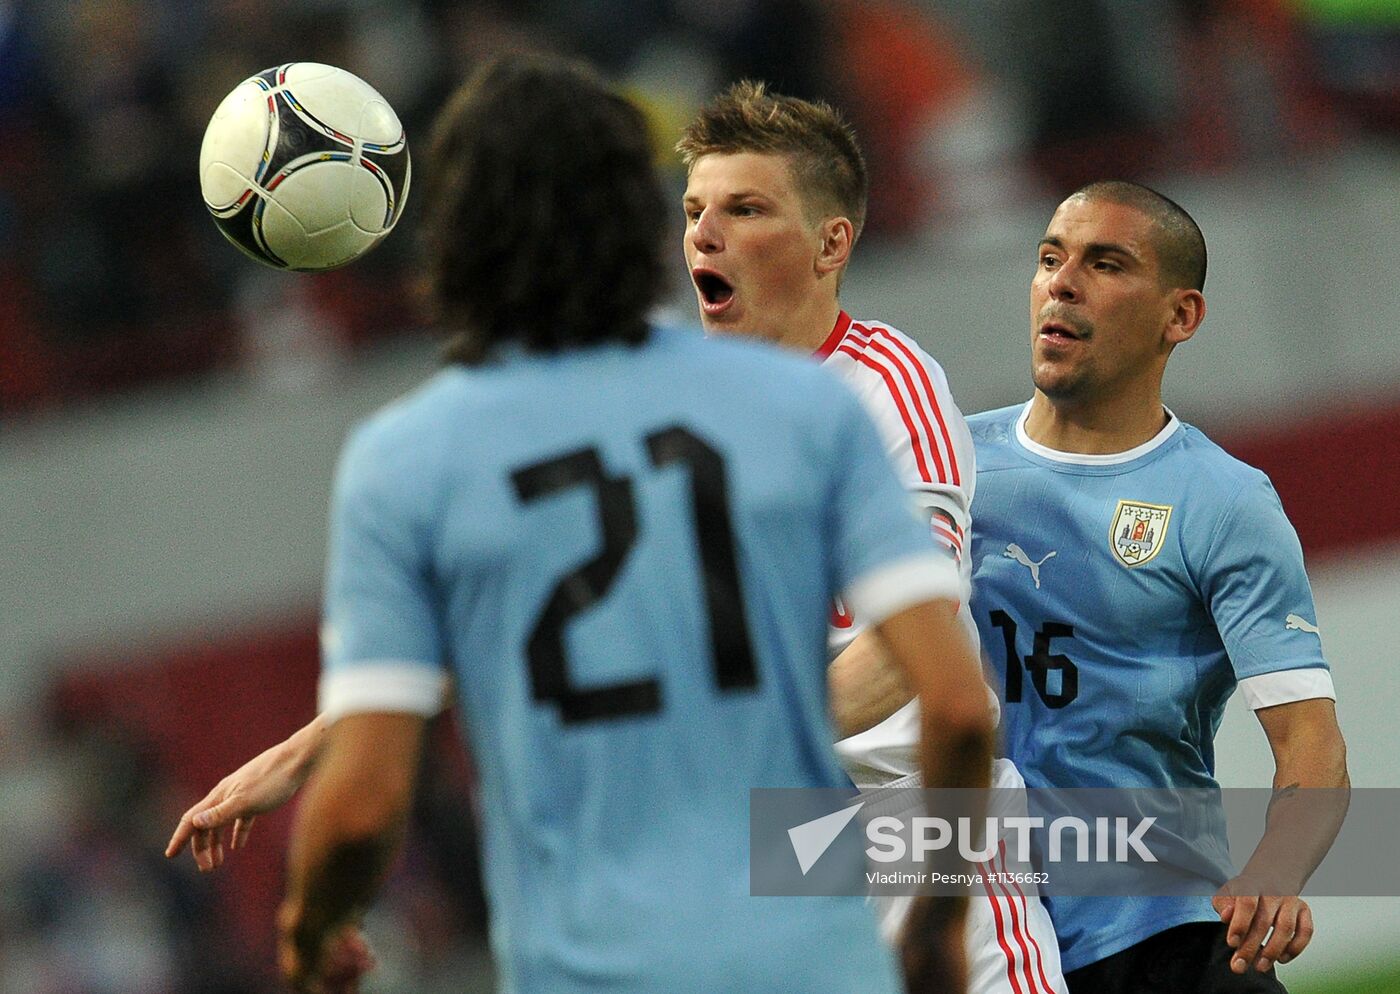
(1138, 531)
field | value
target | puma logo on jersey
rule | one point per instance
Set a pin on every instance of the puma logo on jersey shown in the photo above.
(1014, 551)
(1295, 623)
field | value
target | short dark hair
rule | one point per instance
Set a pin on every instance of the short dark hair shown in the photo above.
(1181, 248)
(545, 218)
(827, 165)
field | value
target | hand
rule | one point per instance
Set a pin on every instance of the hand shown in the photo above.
(1251, 916)
(339, 963)
(262, 784)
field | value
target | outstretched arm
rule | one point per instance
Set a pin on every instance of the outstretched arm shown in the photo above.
(1308, 753)
(346, 835)
(262, 784)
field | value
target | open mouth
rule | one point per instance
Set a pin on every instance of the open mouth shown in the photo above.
(1058, 331)
(716, 292)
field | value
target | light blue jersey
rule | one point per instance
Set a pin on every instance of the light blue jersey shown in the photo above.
(623, 557)
(1120, 600)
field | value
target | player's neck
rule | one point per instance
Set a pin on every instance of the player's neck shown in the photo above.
(811, 325)
(1095, 429)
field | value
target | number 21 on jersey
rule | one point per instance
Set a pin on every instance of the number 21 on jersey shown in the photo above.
(584, 587)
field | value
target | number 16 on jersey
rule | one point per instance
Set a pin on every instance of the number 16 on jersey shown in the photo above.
(1053, 674)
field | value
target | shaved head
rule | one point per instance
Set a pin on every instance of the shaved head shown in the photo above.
(1180, 246)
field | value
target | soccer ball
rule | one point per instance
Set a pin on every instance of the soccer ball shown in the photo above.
(304, 166)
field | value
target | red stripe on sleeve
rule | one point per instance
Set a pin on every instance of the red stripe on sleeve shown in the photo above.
(940, 531)
(933, 400)
(919, 403)
(893, 388)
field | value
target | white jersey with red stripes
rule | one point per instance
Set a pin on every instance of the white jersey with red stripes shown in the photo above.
(1010, 940)
(906, 394)
(1009, 937)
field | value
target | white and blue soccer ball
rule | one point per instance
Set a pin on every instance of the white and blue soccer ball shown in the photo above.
(304, 166)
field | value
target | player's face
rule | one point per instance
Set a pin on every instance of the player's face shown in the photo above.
(751, 251)
(1098, 310)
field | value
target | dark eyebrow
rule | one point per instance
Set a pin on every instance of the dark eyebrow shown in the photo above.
(1109, 248)
(735, 197)
(1093, 249)
(741, 195)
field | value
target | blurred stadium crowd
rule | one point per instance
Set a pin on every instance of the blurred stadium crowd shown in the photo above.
(91, 789)
(113, 279)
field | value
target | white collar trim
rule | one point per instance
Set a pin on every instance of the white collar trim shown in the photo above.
(1087, 459)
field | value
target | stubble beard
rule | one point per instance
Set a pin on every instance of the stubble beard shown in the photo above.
(1059, 385)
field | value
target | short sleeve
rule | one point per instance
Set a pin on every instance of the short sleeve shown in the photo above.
(1257, 589)
(380, 639)
(884, 558)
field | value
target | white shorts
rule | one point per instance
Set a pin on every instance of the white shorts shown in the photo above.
(1011, 945)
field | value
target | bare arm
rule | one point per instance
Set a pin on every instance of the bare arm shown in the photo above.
(347, 833)
(1309, 752)
(927, 644)
(865, 686)
(263, 784)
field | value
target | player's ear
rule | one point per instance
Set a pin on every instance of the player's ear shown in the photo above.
(837, 235)
(1188, 311)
